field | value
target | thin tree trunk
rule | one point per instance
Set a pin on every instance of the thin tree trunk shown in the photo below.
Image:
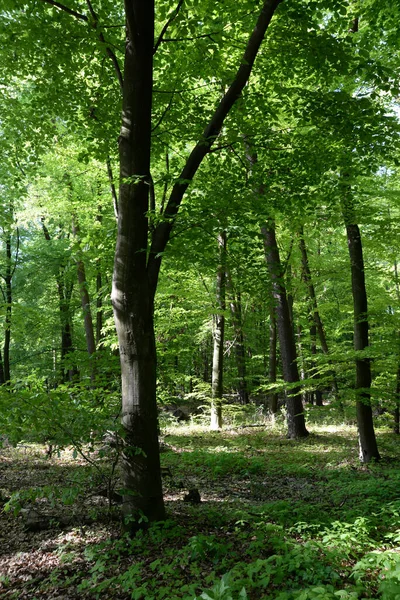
(84, 293)
(294, 406)
(8, 298)
(396, 412)
(64, 294)
(240, 354)
(99, 308)
(272, 362)
(314, 305)
(218, 333)
(368, 448)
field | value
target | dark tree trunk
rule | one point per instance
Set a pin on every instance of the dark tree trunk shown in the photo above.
(219, 335)
(64, 290)
(366, 433)
(294, 405)
(136, 271)
(240, 353)
(132, 296)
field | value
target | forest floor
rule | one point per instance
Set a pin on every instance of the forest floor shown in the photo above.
(278, 519)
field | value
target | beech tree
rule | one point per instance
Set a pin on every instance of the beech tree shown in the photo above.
(150, 59)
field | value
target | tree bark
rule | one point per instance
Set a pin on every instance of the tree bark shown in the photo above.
(240, 354)
(219, 338)
(8, 298)
(132, 297)
(136, 271)
(368, 448)
(314, 305)
(64, 290)
(84, 293)
(294, 406)
(272, 361)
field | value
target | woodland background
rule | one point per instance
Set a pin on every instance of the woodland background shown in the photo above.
(278, 287)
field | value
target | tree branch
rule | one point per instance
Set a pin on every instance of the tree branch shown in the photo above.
(191, 39)
(112, 187)
(210, 133)
(110, 52)
(67, 10)
(160, 120)
(167, 24)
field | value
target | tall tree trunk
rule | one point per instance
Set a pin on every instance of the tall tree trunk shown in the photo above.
(136, 271)
(132, 296)
(8, 298)
(240, 354)
(84, 293)
(99, 307)
(396, 412)
(314, 305)
(64, 290)
(218, 334)
(99, 282)
(368, 448)
(294, 406)
(2, 378)
(317, 394)
(272, 362)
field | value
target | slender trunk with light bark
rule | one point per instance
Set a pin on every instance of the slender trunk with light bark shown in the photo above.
(8, 298)
(240, 354)
(272, 361)
(218, 337)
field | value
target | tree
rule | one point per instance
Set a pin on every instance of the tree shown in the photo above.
(219, 337)
(135, 269)
(294, 406)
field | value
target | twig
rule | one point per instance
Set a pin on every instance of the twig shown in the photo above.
(167, 24)
(67, 10)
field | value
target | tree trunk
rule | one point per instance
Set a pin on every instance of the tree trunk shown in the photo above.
(240, 354)
(314, 305)
(84, 293)
(272, 363)
(64, 294)
(8, 298)
(294, 406)
(396, 412)
(136, 270)
(132, 296)
(218, 334)
(368, 448)
(99, 308)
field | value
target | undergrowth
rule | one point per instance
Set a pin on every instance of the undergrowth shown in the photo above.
(279, 520)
